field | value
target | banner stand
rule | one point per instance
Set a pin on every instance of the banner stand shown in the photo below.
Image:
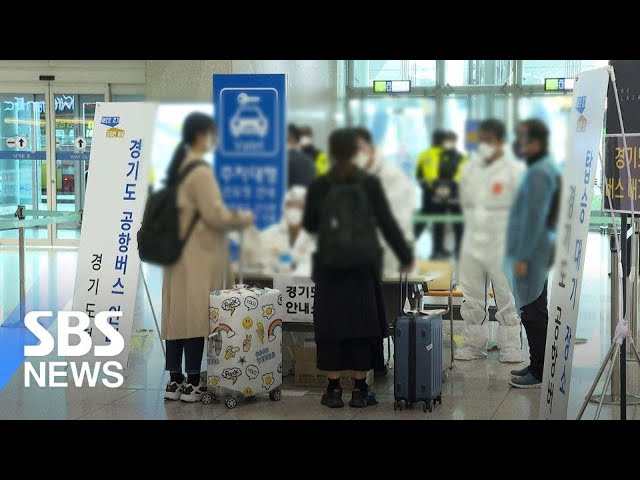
(623, 333)
(153, 312)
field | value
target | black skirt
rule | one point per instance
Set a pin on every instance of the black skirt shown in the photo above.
(349, 320)
(359, 354)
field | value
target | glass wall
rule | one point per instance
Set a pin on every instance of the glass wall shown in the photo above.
(447, 93)
(535, 71)
(23, 150)
(422, 73)
(27, 129)
(477, 72)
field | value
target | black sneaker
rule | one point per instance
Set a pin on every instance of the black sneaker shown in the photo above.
(381, 373)
(360, 399)
(193, 394)
(333, 399)
(174, 390)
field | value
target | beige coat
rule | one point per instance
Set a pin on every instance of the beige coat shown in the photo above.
(187, 283)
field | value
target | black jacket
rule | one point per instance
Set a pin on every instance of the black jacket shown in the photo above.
(301, 169)
(386, 221)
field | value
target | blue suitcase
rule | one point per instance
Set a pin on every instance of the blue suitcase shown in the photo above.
(417, 375)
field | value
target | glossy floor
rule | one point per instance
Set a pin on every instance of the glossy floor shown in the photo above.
(474, 390)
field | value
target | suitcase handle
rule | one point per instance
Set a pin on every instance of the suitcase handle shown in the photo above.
(225, 261)
(404, 280)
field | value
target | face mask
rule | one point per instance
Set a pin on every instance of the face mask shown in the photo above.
(304, 141)
(211, 143)
(361, 160)
(485, 151)
(293, 216)
(449, 146)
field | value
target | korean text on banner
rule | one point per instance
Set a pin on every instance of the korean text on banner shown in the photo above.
(108, 261)
(587, 117)
(251, 156)
(297, 297)
(620, 189)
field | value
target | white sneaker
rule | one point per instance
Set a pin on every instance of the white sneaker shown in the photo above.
(193, 394)
(511, 355)
(467, 352)
(174, 390)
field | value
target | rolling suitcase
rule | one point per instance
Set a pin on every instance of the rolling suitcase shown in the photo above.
(244, 350)
(417, 375)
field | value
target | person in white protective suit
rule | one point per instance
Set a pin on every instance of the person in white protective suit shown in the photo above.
(488, 188)
(399, 189)
(285, 246)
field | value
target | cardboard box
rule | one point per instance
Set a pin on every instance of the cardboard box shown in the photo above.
(440, 272)
(306, 374)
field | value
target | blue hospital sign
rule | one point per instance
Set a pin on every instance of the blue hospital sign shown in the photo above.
(250, 160)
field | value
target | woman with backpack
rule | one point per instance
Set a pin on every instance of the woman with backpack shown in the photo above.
(345, 208)
(203, 221)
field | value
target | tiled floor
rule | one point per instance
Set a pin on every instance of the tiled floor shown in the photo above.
(474, 390)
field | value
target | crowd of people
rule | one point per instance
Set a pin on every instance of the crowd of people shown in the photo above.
(348, 218)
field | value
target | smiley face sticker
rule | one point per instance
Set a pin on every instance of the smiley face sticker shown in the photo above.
(247, 322)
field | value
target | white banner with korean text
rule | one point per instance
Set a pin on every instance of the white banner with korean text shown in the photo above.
(117, 186)
(585, 130)
(297, 297)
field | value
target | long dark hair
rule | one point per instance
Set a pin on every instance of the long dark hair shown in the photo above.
(194, 125)
(343, 147)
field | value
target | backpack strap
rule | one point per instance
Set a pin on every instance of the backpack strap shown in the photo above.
(181, 176)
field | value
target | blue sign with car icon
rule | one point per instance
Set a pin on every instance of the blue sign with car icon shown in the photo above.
(250, 161)
(250, 121)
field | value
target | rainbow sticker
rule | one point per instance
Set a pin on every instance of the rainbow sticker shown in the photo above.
(224, 328)
(272, 327)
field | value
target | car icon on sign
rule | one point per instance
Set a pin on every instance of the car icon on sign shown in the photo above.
(249, 120)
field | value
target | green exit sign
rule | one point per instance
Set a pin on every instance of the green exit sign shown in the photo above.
(558, 84)
(391, 86)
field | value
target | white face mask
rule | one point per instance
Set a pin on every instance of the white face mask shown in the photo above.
(485, 151)
(448, 145)
(211, 143)
(361, 160)
(293, 216)
(305, 140)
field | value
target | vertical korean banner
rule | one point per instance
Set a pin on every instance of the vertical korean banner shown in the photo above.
(250, 159)
(117, 186)
(585, 127)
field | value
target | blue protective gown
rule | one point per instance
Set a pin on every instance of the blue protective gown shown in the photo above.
(529, 238)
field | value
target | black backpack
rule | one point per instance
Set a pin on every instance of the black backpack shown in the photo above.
(158, 238)
(347, 236)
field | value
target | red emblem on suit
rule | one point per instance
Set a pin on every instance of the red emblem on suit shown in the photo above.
(497, 188)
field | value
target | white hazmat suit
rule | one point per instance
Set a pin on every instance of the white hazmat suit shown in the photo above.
(487, 191)
(275, 240)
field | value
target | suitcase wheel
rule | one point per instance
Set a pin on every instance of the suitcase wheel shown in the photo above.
(439, 399)
(427, 406)
(231, 403)
(397, 405)
(276, 395)
(207, 398)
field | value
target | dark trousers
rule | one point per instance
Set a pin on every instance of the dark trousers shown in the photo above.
(192, 349)
(426, 209)
(438, 229)
(535, 318)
